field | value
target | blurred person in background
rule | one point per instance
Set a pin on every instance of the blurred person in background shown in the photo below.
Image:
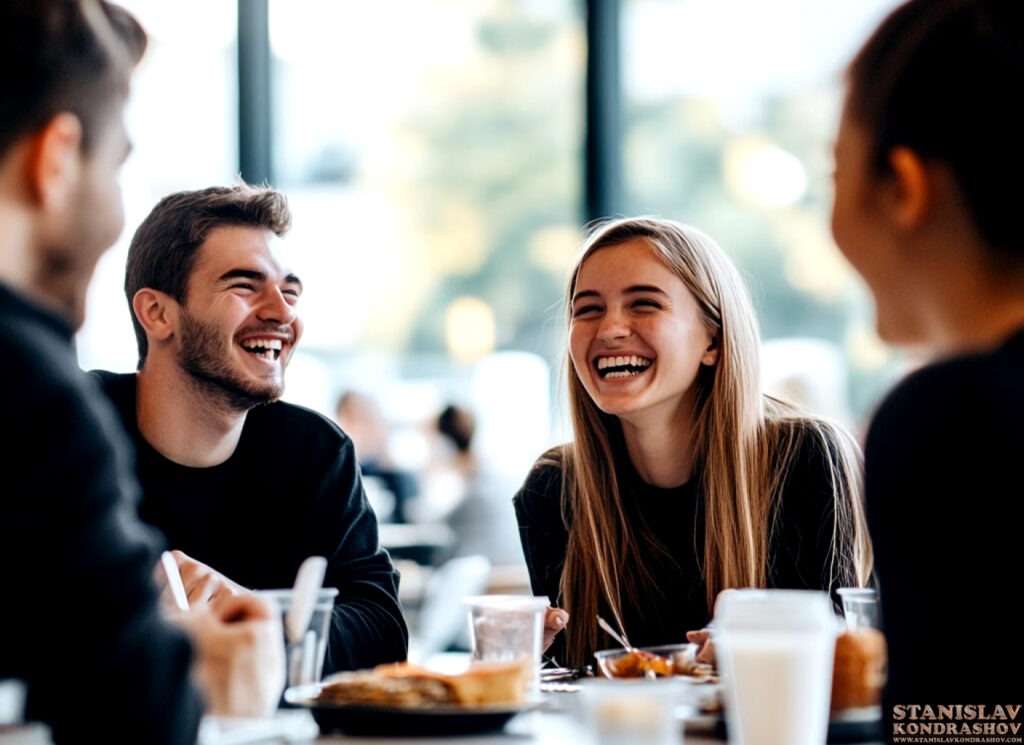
(930, 131)
(360, 417)
(245, 486)
(683, 478)
(483, 521)
(82, 626)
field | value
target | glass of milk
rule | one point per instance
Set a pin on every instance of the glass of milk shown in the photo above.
(775, 650)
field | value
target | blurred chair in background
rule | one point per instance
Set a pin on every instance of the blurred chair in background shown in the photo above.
(441, 624)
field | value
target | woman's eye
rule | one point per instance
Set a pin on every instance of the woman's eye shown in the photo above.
(584, 310)
(646, 303)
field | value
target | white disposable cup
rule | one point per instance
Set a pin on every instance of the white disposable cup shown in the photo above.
(775, 650)
(509, 628)
(305, 656)
(860, 607)
(626, 711)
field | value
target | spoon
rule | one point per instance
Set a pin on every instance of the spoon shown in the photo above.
(308, 581)
(174, 582)
(621, 639)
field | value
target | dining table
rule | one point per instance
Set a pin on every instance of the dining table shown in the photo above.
(554, 720)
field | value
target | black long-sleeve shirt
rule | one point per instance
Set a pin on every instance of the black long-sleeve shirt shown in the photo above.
(81, 623)
(291, 489)
(944, 480)
(801, 549)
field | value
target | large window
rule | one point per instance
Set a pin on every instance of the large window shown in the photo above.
(182, 121)
(730, 110)
(433, 153)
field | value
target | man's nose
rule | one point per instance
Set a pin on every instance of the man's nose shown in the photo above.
(275, 307)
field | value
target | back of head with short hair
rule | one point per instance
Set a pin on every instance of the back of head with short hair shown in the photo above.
(60, 56)
(163, 250)
(943, 78)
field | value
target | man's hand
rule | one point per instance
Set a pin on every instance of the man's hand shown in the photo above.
(202, 583)
(239, 654)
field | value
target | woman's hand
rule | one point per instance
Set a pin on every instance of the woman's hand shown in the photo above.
(706, 649)
(555, 620)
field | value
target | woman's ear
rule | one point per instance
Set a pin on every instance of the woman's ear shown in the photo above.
(911, 188)
(710, 356)
(156, 312)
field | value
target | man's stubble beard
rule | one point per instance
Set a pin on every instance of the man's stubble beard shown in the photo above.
(204, 360)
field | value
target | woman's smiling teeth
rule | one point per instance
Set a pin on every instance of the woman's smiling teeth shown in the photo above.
(267, 349)
(622, 366)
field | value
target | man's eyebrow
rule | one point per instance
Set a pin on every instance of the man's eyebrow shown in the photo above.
(258, 276)
(242, 274)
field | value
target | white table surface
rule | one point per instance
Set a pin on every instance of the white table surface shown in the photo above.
(552, 724)
(546, 726)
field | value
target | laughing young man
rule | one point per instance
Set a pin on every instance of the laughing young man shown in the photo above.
(243, 485)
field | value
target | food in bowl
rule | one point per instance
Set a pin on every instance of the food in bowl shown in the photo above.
(663, 661)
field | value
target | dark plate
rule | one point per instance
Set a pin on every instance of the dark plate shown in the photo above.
(844, 727)
(397, 721)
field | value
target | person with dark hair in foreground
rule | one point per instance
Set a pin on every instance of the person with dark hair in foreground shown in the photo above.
(83, 628)
(923, 209)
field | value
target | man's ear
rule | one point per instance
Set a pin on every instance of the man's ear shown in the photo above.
(157, 313)
(55, 162)
(710, 356)
(912, 188)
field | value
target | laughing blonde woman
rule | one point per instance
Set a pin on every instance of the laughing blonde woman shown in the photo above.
(683, 478)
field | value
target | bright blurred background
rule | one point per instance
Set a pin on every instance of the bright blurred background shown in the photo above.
(442, 157)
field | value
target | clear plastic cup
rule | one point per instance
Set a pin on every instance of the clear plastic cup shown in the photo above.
(509, 628)
(305, 655)
(860, 607)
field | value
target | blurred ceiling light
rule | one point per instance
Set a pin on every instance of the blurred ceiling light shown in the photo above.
(554, 248)
(469, 329)
(763, 173)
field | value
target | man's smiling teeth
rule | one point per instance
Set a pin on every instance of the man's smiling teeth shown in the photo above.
(622, 366)
(268, 349)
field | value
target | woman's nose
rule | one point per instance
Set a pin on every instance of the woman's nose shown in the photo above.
(614, 325)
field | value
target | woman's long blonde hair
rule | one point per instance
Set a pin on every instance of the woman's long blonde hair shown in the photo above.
(745, 440)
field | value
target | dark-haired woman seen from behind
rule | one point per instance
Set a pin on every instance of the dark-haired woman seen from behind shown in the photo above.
(683, 478)
(927, 208)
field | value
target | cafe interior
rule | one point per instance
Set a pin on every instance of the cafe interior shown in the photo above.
(442, 159)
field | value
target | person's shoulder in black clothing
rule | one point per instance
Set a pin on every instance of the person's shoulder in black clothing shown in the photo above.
(120, 389)
(539, 499)
(71, 514)
(825, 467)
(943, 475)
